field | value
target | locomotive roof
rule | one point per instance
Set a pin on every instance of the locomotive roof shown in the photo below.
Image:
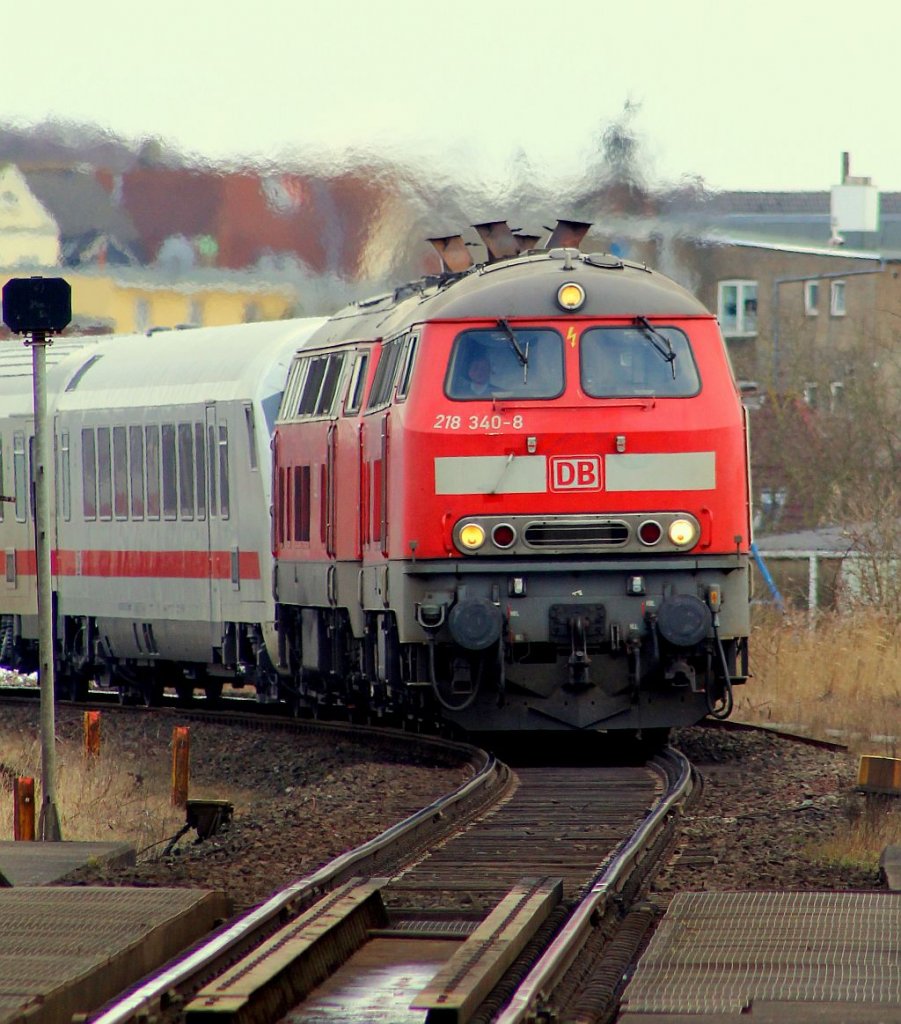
(523, 286)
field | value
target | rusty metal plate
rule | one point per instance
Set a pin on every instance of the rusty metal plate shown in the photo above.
(722, 952)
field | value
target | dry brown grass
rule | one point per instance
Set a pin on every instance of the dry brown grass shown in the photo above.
(860, 841)
(122, 795)
(839, 678)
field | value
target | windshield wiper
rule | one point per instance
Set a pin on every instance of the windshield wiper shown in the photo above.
(521, 355)
(655, 337)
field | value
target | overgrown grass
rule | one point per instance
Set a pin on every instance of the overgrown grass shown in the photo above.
(122, 795)
(859, 840)
(838, 677)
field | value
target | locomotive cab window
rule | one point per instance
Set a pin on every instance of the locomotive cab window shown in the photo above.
(385, 373)
(637, 362)
(354, 400)
(507, 363)
(313, 389)
(406, 373)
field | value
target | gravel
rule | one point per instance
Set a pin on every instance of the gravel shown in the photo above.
(312, 797)
(767, 803)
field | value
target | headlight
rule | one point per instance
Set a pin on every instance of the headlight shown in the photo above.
(472, 537)
(683, 533)
(570, 296)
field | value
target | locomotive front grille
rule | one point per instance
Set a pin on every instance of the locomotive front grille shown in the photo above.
(576, 534)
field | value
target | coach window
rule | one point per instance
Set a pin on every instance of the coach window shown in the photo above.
(64, 495)
(152, 442)
(89, 473)
(120, 472)
(186, 470)
(634, 363)
(357, 384)
(104, 475)
(200, 470)
(212, 465)
(136, 465)
(224, 490)
(169, 463)
(20, 480)
(19, 476)
(515, 363)
(251, 435)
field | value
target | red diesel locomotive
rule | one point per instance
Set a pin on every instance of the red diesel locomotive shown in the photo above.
(515, 495)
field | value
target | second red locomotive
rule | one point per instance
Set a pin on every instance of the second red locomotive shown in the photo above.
(518, 493)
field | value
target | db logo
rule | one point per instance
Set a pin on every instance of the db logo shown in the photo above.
(579, 473)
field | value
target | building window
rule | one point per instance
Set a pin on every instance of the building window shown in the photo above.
(737, 305)
(811, 298)
(837, 298)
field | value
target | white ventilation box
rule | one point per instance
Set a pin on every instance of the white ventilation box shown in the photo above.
(855, 206)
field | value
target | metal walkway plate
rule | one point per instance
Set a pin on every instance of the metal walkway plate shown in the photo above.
(725, 953)
(65, 951)
(42, 863)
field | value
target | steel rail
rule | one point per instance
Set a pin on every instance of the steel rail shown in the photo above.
(153, 992)
(565, 947)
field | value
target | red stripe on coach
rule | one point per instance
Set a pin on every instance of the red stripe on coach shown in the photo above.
(188, 565)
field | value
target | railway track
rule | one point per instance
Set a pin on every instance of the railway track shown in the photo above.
(405, 916)
(477, 922)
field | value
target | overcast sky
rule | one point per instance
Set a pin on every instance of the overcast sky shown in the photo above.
(746, 95)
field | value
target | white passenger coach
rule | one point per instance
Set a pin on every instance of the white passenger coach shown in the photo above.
(161, 547)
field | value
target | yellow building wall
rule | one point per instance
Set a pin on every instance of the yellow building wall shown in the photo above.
(133, 301)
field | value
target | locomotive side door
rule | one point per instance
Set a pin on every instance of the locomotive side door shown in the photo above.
(346, 464)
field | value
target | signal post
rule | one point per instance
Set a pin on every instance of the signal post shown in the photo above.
(40, 307)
